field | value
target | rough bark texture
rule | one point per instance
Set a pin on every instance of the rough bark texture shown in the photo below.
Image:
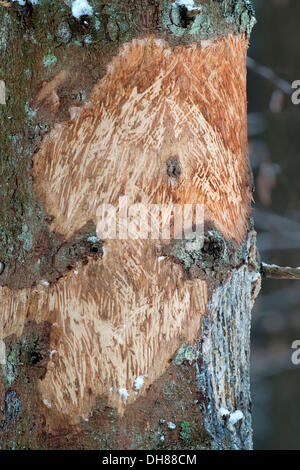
(223, 377)
(163, 119)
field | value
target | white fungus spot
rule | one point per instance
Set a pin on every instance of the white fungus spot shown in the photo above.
(235, 417)
(160, 258)
(81, 8)
(224, 412)
(188, 4)
(123, 394)
(139, 382)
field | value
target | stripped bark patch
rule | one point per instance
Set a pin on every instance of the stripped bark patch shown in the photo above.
(153, 103)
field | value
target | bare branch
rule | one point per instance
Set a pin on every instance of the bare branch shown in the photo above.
(269, 75)
(278, 272)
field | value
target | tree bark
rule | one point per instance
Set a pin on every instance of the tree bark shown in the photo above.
(121, 342)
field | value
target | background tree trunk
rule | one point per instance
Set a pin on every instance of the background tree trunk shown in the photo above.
(125, 344)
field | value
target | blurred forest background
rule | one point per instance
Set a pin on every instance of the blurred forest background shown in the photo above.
(274, 144)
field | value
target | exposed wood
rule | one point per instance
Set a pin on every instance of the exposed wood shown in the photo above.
(155, 103)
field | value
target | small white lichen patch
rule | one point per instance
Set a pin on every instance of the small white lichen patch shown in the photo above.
(160, 258)
(81, 8)
(49, 60)
(93, 239)
(88, 39)
(139, 382)
(31, 113)
(123, 394)
(171, 425)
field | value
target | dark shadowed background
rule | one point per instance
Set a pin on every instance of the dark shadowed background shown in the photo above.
(274, 141)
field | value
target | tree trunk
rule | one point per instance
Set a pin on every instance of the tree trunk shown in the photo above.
(113, 337)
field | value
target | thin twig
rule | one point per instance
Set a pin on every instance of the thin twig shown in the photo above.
(269, 75)
(278, 272)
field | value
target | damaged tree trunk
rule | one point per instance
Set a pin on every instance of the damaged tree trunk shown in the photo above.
(111, 341)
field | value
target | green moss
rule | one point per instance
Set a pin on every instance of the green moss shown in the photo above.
(185, 431)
